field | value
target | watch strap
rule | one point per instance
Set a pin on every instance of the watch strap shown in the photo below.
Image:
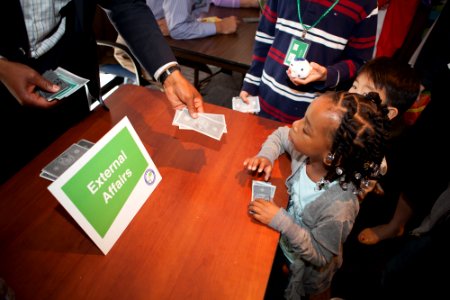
(167, 72)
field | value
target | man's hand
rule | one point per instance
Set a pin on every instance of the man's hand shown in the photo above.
(22, 81)
(163, 26)
(182, 93)
(227, 25)
(249, 3)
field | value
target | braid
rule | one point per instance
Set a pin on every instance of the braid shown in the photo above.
(359, 141)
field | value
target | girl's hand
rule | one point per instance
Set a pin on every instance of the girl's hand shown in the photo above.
(263, 210)
(259, 164)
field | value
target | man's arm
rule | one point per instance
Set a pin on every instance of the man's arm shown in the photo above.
(138, 27)
(22, 81)
(236, 3)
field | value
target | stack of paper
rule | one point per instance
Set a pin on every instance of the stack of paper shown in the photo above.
(68, 82)
(60, 164)
(212, 125)
(262, 190)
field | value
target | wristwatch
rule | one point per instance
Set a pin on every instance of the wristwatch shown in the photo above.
(167, 72)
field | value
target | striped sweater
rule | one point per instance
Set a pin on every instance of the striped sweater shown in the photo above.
(342, 41)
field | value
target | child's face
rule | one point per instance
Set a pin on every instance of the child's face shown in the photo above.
(312, 135)
(364, 85)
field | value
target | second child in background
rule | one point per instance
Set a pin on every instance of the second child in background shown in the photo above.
(397, 83)
(398, 86)
(335, 149)
(336, 37)
(390, 268)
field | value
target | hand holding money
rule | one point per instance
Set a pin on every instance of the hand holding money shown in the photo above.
(252, 106)
(212, 125)
(263, 192)
(22, 82)
(262, 210)
(68, 83)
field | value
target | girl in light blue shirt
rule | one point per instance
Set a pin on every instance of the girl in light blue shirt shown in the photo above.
(335, 150)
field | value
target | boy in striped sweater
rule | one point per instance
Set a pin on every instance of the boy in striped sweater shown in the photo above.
(336, 36)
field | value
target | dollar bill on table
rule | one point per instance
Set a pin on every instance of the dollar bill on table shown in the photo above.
(252, 107)
(262, 190)
(68, 82)
(216, 117)
(60, 164)
(212, 125)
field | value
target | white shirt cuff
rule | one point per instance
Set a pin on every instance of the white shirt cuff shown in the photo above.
(163, 68)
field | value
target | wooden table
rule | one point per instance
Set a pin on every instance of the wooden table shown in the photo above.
(232, 52)
(192, 239)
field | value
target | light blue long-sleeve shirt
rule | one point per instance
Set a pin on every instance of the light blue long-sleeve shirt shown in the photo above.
(181, 17)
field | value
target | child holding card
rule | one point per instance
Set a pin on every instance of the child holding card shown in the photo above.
(335, 150)
(335, 37)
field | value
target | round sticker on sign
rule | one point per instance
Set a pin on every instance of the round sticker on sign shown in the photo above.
(149, 176)
(300, 68)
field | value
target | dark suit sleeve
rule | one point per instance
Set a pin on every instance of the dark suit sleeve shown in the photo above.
(134, 20)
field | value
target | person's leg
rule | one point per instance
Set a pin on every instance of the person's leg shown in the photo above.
(395, 227)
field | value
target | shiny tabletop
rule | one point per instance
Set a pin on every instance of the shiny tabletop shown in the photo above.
(192, 238)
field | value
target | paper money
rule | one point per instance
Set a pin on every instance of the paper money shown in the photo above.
(212, 125)
(252, 107)
(68, 82)
(262, 190)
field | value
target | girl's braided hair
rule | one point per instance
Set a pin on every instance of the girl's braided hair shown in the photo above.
(359, 141)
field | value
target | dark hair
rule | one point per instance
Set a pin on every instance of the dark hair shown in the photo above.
(359, 140)
(399, 80)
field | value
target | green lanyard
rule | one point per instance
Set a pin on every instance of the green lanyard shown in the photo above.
(261, 5)
(307, 28)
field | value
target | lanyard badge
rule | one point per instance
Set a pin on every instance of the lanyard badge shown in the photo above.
(297, 49)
